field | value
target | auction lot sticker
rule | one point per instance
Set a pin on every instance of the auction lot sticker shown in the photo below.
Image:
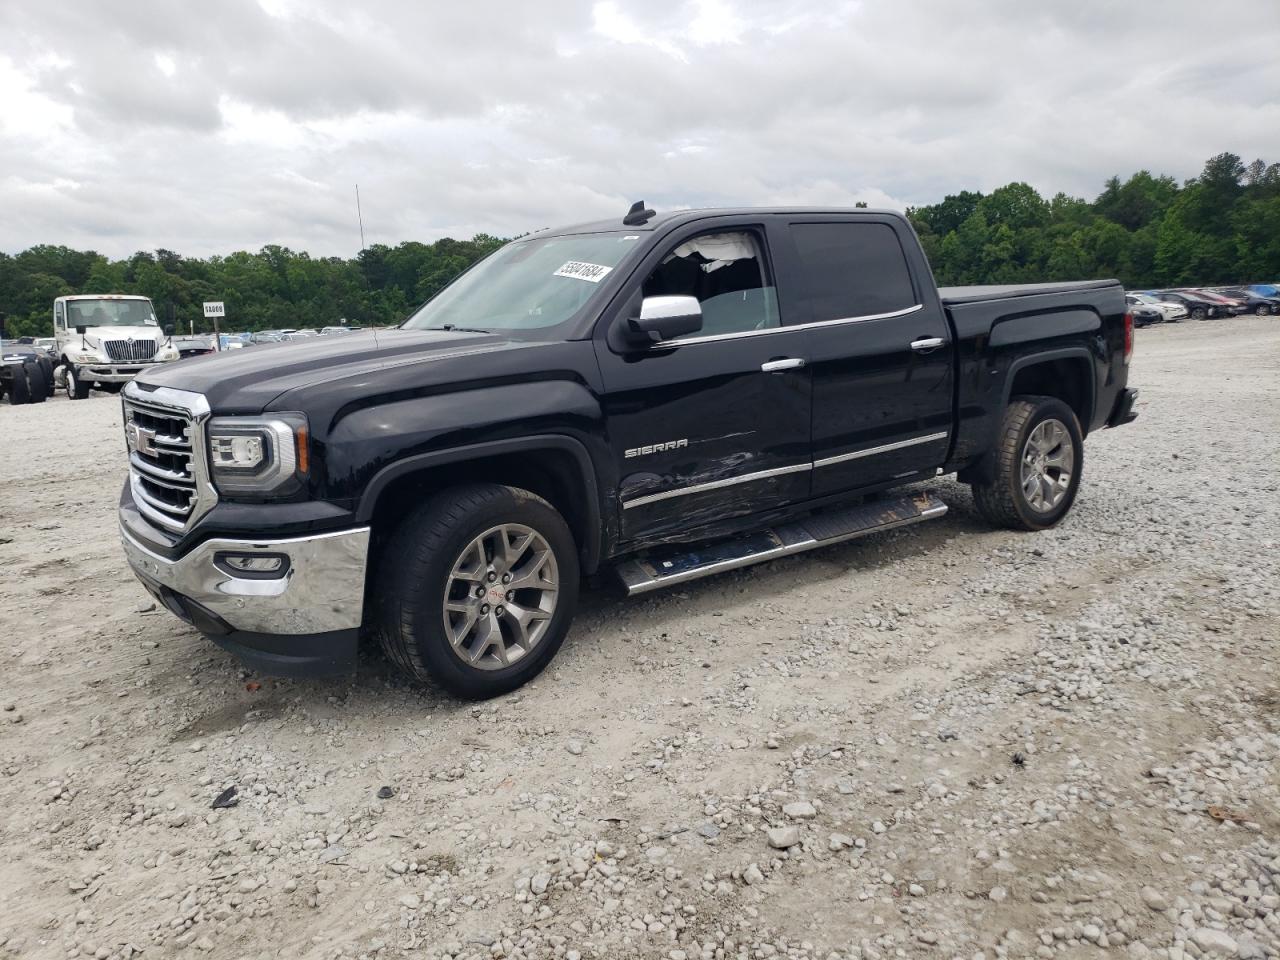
(590, 272)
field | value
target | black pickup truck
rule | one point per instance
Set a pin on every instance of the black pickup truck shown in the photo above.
(662, 397)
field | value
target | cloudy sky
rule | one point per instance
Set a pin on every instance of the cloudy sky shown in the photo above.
(211, 126)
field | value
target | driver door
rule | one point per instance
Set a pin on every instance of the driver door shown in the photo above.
(714, 424)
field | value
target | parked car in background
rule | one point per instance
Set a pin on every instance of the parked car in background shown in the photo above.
(1265, 289)
(1228, 305)
(195, 345)
(1170, 312)
(1197, 306)
(264, 336)
(1144, 315)
(26, 373)
(1253, 302)
(329, 331)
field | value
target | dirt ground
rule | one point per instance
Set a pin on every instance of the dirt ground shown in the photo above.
(947, 741)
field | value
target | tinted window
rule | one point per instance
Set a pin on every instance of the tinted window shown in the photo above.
(852, 269)
(725, 272)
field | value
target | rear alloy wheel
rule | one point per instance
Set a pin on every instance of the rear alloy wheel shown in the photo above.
(1263, 309)
(477, 589)
(77, 389)
(1039, 455)
(1198, 313)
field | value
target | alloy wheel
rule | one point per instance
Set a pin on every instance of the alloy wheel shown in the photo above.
(500, 596)
(1048, 461)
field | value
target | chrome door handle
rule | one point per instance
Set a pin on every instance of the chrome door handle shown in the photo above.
(777, 366)
(926, 344)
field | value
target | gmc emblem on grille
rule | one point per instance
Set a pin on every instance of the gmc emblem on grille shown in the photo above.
(141, 439)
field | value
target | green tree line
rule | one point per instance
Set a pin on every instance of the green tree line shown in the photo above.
(271, 289)
(1148, 231)
(1218, 228)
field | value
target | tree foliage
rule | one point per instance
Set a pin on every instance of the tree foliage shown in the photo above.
(1220, 227)
(271, 289)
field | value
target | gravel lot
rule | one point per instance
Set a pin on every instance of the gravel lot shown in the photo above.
(946, 741)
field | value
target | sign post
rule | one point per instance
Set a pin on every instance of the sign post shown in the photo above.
(215, 310)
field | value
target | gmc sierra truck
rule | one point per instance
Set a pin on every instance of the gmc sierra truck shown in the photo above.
(662, 397)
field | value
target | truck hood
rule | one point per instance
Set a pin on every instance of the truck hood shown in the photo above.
(247, 380)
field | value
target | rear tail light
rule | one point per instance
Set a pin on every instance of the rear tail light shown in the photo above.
(1128, 336)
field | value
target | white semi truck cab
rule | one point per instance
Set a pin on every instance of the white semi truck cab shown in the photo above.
(105, 340)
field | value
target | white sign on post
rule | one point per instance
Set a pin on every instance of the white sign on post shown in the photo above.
(215, 310)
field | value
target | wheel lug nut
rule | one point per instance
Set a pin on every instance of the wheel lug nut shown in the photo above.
(511, 595)
(492, 576)
(506, 578)
(484, 608)
(499, 610)
(479, 591)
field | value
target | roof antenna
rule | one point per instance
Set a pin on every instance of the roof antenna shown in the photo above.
(638, 214)
(360, 216)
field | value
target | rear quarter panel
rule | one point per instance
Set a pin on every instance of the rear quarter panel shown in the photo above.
(998, 337)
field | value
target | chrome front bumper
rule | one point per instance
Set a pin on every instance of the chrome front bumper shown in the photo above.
(321, 590)
(116, 372)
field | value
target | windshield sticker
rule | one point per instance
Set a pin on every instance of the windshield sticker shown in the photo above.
(590, 272)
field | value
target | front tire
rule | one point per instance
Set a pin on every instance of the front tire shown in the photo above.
(1199, 313)
(1039, 457)
(477, 589)
(77, 389)
(1263, 309)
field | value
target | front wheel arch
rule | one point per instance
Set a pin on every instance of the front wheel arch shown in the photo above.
(556, 467)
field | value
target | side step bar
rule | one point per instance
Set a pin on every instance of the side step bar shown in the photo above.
(640, 575)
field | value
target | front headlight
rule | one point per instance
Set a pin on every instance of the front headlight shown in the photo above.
(264, 456)
(167, 352)
(85, 355)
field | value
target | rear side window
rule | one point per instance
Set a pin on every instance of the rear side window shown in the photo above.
(852, 269)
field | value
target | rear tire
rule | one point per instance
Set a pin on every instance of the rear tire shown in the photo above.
(1199, 314)
(37, 388)
(428, 616)
(19, 391)
(1039, 456)
(1263, 310)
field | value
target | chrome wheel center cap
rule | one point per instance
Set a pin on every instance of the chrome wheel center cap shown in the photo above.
(496, 594)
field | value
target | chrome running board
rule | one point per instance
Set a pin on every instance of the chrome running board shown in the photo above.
(656, 570)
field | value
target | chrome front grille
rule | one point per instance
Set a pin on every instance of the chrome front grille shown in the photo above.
(164, 432)
(126, 350)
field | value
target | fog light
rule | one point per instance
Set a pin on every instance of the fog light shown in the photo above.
(253, 565)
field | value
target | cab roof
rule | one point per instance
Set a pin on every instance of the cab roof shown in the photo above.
(672, 218)
(102, 296)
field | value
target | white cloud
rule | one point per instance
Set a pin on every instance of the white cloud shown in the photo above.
(128, 124)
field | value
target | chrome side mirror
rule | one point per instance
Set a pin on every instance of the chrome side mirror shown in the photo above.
(665, 318)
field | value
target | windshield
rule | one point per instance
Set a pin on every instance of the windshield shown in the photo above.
(526, 285)
(110, 313)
